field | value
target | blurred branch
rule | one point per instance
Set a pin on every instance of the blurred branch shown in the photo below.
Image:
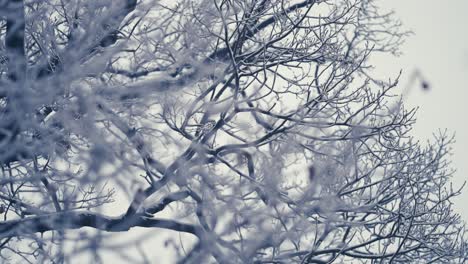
(76, 220)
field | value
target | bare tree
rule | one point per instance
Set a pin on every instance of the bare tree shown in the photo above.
(255, 127)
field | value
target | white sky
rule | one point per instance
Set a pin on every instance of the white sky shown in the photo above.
(439, 50)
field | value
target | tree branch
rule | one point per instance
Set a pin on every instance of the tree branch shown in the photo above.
(173, 197)
(76, 220)
(14, 40)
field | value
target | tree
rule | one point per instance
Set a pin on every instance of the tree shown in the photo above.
(255, 127)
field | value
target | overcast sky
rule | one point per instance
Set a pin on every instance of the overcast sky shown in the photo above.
(439, 50)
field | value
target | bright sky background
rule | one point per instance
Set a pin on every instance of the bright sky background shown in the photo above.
(439, 50)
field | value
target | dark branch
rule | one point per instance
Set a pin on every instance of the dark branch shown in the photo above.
(173, 197)
(76, 220)
(14, 40)
(16, 60)
(223, 54)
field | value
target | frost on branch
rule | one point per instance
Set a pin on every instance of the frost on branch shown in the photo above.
(223, 131)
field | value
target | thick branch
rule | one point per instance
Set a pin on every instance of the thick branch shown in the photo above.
(173, 197)
(14, 40)
(14, 44)
(76, 220)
